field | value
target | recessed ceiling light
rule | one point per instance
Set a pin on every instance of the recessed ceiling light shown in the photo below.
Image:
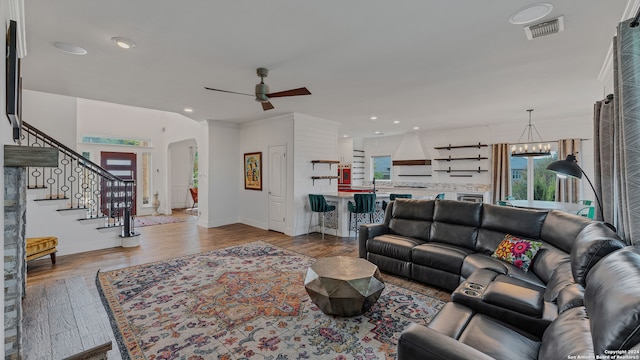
(69, 48)
(345, 135)
(396, 121)
(188, 110)
(123, 42)
(373, 118)
(416, 128)
(378, 133)
(531, 13)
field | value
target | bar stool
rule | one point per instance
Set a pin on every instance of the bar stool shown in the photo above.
(318, 204)
(440, 196)
(364, 204)
(393, 197)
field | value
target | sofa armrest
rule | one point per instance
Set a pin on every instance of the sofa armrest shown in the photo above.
(368, 231)
(420, 342)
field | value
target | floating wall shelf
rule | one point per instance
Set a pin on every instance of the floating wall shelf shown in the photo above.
(323, 178)
(479, 145)
(411, 162)
(463, 158)
(478, 170)
(330, 162)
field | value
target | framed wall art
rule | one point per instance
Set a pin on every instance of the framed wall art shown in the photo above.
(253, 171)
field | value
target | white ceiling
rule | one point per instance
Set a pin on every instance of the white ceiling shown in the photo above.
(426, 63)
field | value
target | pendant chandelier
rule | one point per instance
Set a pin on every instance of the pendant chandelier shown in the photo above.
(530, 147)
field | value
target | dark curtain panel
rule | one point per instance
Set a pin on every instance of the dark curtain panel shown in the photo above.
(567, 188)
(617, 138)
(500, 171)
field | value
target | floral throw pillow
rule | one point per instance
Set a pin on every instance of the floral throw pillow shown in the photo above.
(517, 251)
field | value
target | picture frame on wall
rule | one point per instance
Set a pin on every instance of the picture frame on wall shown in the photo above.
(253, 171)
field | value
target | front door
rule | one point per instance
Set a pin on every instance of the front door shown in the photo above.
(122, 165)
(277, 188)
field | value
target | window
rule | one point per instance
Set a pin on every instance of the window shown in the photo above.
(530, 179)
(381, 167)
(115, 141)
(146, 178)
(194, 174)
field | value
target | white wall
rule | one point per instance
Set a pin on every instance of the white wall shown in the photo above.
(218, 188)
(180, 176)
(315, 139)
(55, 115)
(257, 136)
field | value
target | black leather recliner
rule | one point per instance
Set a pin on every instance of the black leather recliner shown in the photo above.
(607, 324)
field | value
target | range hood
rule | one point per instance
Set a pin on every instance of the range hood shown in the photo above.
(410, 149)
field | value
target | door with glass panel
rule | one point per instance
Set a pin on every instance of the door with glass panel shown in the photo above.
(122, 165)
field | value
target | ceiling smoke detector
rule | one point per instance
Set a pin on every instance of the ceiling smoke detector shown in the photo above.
(548, 27)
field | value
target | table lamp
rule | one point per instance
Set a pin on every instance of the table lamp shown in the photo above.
(570, 167)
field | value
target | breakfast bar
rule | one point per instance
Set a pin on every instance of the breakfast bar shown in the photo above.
(337, 222)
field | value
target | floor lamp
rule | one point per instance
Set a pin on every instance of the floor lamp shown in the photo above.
(570, 167)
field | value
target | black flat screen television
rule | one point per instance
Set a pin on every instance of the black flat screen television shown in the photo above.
(13, 80)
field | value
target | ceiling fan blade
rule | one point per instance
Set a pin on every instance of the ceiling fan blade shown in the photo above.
(292, 92)
(266, 106)
(227, 91)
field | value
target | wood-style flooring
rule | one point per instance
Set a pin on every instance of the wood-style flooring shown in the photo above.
(161, 242)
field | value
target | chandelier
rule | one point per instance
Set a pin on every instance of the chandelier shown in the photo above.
(530, 147)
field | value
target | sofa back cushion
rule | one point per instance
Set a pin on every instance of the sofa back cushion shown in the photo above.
(612, 299)
(518, 222)
(547, 260)
(560, 229)
(456, 223)
(411, 218)
(593, 243)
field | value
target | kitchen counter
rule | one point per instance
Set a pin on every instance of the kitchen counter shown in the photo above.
(337, 222)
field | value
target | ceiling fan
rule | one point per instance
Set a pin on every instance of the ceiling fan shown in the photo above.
(262, 91)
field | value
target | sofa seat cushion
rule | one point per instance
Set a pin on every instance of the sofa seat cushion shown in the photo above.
(440, 256)
(499, 340)
(477, 261)
(393, 246)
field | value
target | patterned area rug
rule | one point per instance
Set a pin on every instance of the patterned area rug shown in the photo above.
(141, 221)
(246, 302)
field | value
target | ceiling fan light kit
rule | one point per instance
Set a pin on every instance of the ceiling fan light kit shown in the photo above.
(262, 94)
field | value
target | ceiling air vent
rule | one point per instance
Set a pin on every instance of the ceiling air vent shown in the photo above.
(546, 28)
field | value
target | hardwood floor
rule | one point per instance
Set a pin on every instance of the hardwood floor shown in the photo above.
(162, 242)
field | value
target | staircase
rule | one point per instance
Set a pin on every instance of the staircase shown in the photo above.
(79, 202)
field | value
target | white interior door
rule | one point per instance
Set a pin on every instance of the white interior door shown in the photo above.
(277, 188)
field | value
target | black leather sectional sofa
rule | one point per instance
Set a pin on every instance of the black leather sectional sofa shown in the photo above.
(499, 310)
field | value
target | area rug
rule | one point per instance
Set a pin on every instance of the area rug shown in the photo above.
(141, 221)
(246, 302)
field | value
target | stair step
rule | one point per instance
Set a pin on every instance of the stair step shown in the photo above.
(73, 209)
(93, 218)
(52, 199)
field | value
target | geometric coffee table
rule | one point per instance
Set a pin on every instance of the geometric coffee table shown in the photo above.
(343, 285)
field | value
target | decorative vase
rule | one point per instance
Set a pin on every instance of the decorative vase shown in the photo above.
(156, 203)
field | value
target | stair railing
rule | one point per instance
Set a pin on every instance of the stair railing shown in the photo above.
(84, 184)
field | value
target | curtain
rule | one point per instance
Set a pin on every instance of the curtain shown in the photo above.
(567, 188)
(617, 138)
(604, 179)
(500, 171)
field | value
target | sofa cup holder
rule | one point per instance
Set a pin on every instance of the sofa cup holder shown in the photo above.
(471, 293)
(474, 286)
